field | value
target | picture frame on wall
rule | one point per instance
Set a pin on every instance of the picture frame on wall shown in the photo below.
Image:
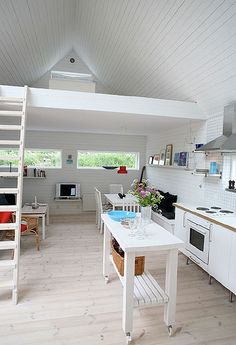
(150, 160)
(176, 159)
(162, 157)
(156, 159)
(183, 159)
(168, 154)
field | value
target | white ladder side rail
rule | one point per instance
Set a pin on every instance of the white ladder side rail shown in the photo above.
(19, 200)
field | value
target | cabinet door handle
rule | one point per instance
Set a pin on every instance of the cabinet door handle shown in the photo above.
(196, 262)
(184, 216)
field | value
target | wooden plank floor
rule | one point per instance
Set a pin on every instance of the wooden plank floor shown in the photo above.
(64, 300)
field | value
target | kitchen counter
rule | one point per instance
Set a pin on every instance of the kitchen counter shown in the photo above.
(227, 221)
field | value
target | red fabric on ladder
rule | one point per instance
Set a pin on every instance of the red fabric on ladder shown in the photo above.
(5, 217)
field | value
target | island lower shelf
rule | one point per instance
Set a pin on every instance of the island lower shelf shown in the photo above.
(146, 289)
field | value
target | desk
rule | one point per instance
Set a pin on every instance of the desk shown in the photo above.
(40, 212)
(140, 290)
(116, 201)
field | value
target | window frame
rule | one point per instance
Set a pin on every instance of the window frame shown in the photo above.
(137, 160)
(36, 166)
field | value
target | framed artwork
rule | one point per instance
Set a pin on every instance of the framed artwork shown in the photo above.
(162, 157)
(176, 158)
(150, 160)
(168, 154)
(156, 159)
(183, 159)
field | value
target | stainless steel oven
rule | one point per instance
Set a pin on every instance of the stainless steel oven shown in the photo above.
(198, 238)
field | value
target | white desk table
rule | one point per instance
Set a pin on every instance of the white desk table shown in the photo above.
(116, 201)
(140, 290)
(40, 212)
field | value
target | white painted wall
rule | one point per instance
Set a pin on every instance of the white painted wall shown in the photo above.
(65, 65)
(69, 143)
(189, 187)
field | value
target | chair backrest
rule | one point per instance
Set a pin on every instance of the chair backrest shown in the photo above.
(116, 188)
(131, 206)
(98, 198)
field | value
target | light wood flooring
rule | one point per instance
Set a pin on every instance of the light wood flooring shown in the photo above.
(64, 300)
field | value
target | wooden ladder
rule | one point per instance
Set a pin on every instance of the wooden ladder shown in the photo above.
(19, 118)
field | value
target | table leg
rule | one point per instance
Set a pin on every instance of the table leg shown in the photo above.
(106, 253)
(128, 293)
(47, 216)
(43, 226)
(171, 286)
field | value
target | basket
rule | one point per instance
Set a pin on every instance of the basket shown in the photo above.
(119, 262)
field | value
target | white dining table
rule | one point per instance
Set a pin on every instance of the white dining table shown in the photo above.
(116, 201)
(144, 289)
(41, 212)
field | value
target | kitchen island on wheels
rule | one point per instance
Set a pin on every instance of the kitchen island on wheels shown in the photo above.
(144, 289)
(209, 234)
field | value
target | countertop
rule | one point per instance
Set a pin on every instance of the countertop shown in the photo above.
(227, 221)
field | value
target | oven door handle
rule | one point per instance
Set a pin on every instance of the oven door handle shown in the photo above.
(197, 227)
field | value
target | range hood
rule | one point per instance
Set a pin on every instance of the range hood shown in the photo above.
(227, 141)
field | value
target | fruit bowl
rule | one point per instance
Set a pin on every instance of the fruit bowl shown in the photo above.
(109, 167)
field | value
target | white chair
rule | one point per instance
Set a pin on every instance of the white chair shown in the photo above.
(116, 188)
(100, 208)
(131, 206)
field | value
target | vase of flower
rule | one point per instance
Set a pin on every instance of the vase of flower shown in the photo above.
(147, 197)
(146, 212)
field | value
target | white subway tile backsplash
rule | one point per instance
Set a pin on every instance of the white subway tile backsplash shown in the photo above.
(189, 187)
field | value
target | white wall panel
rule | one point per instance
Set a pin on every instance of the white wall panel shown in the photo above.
(69, 143)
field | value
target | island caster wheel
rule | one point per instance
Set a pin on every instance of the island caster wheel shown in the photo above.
(106, 280)
(170, 331)
(128, 338)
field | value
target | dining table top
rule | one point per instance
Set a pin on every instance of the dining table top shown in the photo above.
(115, 200)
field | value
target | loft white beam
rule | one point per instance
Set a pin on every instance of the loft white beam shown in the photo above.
(60, 99)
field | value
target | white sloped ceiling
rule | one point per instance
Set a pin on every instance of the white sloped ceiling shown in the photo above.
(172, 49)
(34, 35)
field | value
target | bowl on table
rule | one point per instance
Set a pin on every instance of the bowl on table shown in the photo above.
(109, 167)
(118, 216)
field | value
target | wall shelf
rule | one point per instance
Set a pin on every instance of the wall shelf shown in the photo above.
(230, 190)
(207, 174)
(25, 177)
(66, 200)
(174, 167)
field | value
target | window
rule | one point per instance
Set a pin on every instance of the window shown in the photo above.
(96, 159)
(33, 158)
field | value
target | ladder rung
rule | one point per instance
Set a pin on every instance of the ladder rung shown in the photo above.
(8, 226)
(10, 142)
(10, 127)
(11, 99)
(7, 263)
(8, 190)
(7, 245)
(10, 208)
(6, 284)
(11, 113)
(9, 174)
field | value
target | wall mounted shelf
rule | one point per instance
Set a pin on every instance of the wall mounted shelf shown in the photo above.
(206, 174)
(25, 177)
(174, 167)
(230, 190)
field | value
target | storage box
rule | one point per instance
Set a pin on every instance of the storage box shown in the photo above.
(119, 262)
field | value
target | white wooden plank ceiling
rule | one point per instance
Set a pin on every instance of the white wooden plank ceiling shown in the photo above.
(172, 49)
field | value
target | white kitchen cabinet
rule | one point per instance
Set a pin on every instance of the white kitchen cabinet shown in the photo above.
(232, 264)
(180, 223)
(219, 254)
